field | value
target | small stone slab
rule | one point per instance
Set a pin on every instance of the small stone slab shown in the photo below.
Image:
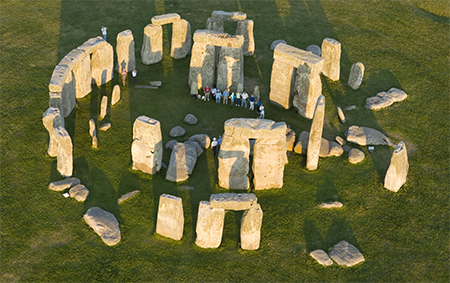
(190, 119)
(127, 196)
(314, 49)
(104, 224)
(155, 83)
(64, 184)
(333, 204)
(170, 144)
(105, 127)
(355, 156)
(232, 201)
(321, 257)
(79, 192)
(345, 254)
(177, 131)
(146, 86)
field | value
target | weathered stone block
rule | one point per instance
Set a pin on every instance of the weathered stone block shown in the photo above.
(64, 151)
(251, 223)
(321, 257)
(331, 53)
(214, 24)
(182, 162)
(254, 128)
(52, 119)
(245, 28)
(170, 221)
(385, 99)
(327, 148)
(231, 201)
(308, 88)
(202, 69)
(152, 47)
(126, 58)
(296, 57)
(210, 37)
(228, 16)
(103, 107)
(102, 64)
(203, 140)
(115, 96)
(367, 136)
(341, 115)
(345, 254)
(234, 163)
(83, 76)
(209, 225)
(312, 155)
(165, 19)
(104, 224)
(61, 185)
(398, 169)
(355, 156)
(181, 39)
(230, 68)
(79, 192)
(356, 75)
(281, 84)
(269, 158)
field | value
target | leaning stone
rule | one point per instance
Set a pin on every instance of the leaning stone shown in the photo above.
(321, 257)
(385, 99)
(64, 152)
(182, 162)
(103, 107)
(105, 127)
(203, 140)
(190, 119)
(334, 204)
(155, 83)
(341, 115)
(52, 119)
(340, 140)
(61, 185)
(356, 75)
(115, 97)
(127, 196)
(314, 49)
(312, 154)
(170, 144)
(290, 139)
(177, 131)
(345, 254)
(126, 58)
(231, 201)
(351, 107)
(104, 224)
(367, 136)
(194, 144)
(209, 225)
(251, 223)
(152, 46)
(79, 192)
(275, 43)
(398, 169)
(228, 16)
(355, 156)
(170, 221)
(331, 53)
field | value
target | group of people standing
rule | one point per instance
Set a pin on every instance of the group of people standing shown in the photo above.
(238, 99)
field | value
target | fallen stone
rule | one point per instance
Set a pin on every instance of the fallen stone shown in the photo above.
(340, 140)
(341, 115)
(165, 19)
(170, 220)
(182, 162)
(385, 99)
(146, 86)
(345, 254)
(232, 201)
(355, 156)
(156, 83)
(321, 257)
(194, 144)
(366, 136)
(127, 196)
(327, 148)
(251, 223)
(334, 204)
(356, 75)
(105, 127)
(177, 131)
(187, 188)
(209, 225)
(103, 107)
(115, 97)
(104, 224)
(203, 140)
(61, 185)
(398, 169)
(170, 144)
(351, 107)
(190, 119)
(79, 192)
(275, 43)
(290, 139)
(314, 49)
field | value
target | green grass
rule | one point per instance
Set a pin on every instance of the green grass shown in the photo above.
(404, 236)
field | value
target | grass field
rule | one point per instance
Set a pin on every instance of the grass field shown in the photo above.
(403, 236)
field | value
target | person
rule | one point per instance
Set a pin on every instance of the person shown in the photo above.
(226, 93)
(238, 99)
(213, 92)
(261, 114)
(214, 146)
(219, 142)
(244, 99)
(124, 76)
(232, 97)
(252, 102)
(258, 105)
(134, 74)
(104, 32)
(218, 95)
(207, 91)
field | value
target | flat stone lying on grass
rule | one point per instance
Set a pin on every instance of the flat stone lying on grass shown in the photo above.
(345, 254)
(203, 140)
(232, 201)
(355, 156)
(385, 99)
(327, 148)
(190, 119)
(276, 42)
(170, 220)
(340, 140)
(398, 169)
(155, 83)
(314, 49)
(177, 131)
(104, 224)
(356, 75)
(105, 127)
(351, 107)
(79, 192)
(146, 86)
(333, 204)
(367, 136)
(341, 115)
(182, 162)
(187, 188)
(127, 196)
(170, 144)
(64, 184)
(321, 257)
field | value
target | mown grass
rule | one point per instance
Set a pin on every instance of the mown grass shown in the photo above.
(404, 236)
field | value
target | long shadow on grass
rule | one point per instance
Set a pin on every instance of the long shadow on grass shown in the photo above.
(327, 191)
(340, 230)
(313, 239)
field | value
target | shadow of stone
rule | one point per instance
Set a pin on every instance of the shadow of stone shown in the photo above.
(54, 174)
(313, 239)
(327, 191)
(69, 123)
(128, 183)
(237, 220)
(338, 231)
(81, 171)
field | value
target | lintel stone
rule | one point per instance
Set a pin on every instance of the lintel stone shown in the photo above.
(165, 19)
(231, 201)
(228, 16)
(210, 37)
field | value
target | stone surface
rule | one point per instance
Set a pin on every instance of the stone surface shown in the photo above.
(341, 115)
(102, 64)
(61, 185)
(245, 28)
(269, 159)
(181, 39)
(234, 162)
(210, 37)
(347, 148)
(93, 133)
(228, 16)
(202, 68)
(170, 220)
(147, 149)
(351, 107)
(321, 257)
(177, 131)
(290, 139)
(64, 154)
(195, 145)
(190, 119)
(126, 58)
(155, 83)
(254, 128)
(276, 42)
(104, 127)
(63, 78)
(103, 108)
(356, 75)
(340, 140)
(281, 84)
(83, 76)
(115, 97)
(314, 49)
(209, 225)
(182, 162)
(231, 201)
(256, 93)
(127, 196)
(214, 24)
(345, 254)
(327, 148)
(52, 119)
(398, 169)
(385, 99)
(79, 192)
(152, 46)
(355, 156)
(230, 68)
(366, 136)
(165, 19)
(251, 223)
(104, 224)
(314, 142)
(334, 204)
(203, 140)
(170, 144)
(331, 53)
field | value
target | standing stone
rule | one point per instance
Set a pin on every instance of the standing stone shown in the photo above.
(245, 28)
(52, 119)
(290, 139)
(331, 53)
(104, 224)
(345, 254)
(102, 64)
(341, 115)
(181, 39)
(214, 24)
(312, 155)
(240, 87)
(64, 151)
(170, 221)
(256, 93)
(147, 148)
(314, 49)
(356, 75)
(115, 97)
(230, 68)
(251, 223)
(103, 107)
(209, 225)
(182, 162)
(398, 169)
(93, 133)
(152, 47)
(202, 67)
(83, 77)
(308, 87)
(126, 58)
(269, 158)
(281, 84)
(63, 82)
(234, 163)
